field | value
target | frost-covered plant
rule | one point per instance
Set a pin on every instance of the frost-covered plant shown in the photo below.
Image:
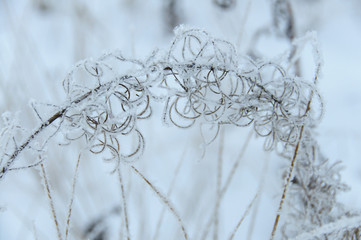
(198, 79)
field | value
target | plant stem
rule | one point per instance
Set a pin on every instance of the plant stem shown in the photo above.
(219, 184)
(72, 198)
(243, 216)
(164, 200)
(125, 210)
(290, 171)
(51, 202)
(288, 180)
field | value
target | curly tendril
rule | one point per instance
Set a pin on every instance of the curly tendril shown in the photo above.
(199, 79)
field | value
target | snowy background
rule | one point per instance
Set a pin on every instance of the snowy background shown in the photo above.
(40, 40)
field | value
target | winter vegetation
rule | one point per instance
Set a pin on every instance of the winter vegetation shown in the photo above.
(179, 120)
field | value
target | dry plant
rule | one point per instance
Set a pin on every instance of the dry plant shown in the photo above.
(199, 80)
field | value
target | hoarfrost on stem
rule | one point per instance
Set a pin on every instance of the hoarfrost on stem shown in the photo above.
(200, 78)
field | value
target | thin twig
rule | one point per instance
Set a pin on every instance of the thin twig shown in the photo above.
(159, 223)
(228, 181)
(46, 182)
(243, 216)
(125, 210)
(297, 66)
(25, 167)
(292, 165)
(236, 163)
(70, 208)
(49, 122)
(164, 200)
(19, 149)
(219, 184)
(256, 207)
(288, 180)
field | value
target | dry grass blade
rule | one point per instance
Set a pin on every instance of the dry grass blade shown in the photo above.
(256, 207)
(125, 210)
(70, 208)
(285, 188)
(236, 163)
(160, 220)
(227, 183)
(243, 217)
(51, 202)
(292, 165)
(219, 184)
(164, 200)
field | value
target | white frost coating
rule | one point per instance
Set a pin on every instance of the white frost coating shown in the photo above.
(340, 225)
(310, 38)
(181, 29)
(200, 79)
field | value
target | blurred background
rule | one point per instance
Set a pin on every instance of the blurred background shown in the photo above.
(40, 40)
